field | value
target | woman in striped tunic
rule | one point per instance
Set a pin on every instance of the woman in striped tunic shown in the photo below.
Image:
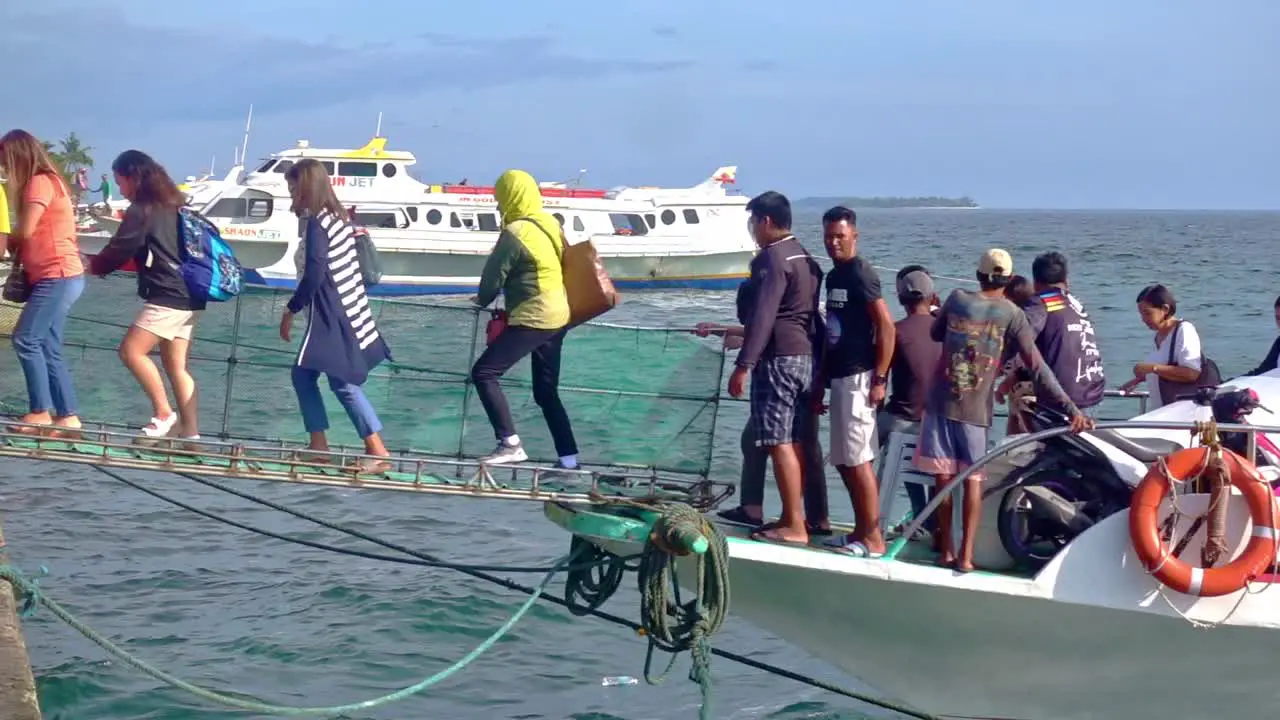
(342, 340)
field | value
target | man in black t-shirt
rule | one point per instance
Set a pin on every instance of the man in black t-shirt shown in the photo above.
(856, 358)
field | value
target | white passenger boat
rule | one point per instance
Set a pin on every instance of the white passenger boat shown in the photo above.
(1090, 634)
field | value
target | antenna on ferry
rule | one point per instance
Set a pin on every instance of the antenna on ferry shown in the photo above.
(378, 131)
(244, 147)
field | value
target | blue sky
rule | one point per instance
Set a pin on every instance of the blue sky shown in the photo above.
(1147, 104)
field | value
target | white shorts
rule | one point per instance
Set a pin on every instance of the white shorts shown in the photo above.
(166, 323)
(853, 420)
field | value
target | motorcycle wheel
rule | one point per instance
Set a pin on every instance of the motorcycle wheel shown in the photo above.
(1030, 541)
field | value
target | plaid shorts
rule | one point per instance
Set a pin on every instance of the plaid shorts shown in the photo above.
(780, 399)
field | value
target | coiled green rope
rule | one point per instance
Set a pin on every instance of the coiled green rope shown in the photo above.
(30, 593)
(674, 626)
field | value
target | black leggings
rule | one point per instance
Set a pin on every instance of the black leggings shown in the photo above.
(506, 350)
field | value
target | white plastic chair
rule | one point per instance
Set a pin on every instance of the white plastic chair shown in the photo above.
(893, 467)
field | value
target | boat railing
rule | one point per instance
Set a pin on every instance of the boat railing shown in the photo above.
(1017, 441)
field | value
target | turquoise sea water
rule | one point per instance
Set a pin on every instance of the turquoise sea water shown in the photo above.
(287, 624)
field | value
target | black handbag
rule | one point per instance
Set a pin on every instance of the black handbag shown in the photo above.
(1210, 376)
(17, 288)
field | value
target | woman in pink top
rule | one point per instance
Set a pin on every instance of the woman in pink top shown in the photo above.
(44, 240)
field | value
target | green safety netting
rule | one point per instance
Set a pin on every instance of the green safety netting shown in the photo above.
(644, 397)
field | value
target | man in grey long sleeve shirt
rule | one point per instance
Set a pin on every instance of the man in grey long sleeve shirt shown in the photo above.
(777, 353)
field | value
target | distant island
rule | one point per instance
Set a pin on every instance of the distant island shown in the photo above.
(921, 201)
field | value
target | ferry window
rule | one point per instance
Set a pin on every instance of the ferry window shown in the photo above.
(266, 165)
(488, 222)
(358, 169)
(454, 222)
(282, 166)
(559, 218)
(628, 224)
(389, 170)
(328, 166)
(577, 224)
(258, 209)
(691, 216)
(228, 208)
(376, 219)
(434, 216)
(668, 217)
(651, 220)
(413, 213)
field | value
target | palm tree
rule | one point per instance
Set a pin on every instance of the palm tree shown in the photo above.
(58, 160)
(75, 154)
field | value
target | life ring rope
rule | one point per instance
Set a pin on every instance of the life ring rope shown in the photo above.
(1168, 550)
(1158, 552)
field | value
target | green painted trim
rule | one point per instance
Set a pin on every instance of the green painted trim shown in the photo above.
(599, 525)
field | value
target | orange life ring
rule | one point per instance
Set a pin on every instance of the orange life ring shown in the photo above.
(1157, 557)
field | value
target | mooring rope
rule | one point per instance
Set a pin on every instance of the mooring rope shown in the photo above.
(31, 595)
(588, 609)
(414, 559)
(35, 595)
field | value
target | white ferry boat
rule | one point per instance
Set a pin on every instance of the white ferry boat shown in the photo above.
(434, 238)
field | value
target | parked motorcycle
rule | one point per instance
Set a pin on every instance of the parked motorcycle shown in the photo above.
(1075, 481)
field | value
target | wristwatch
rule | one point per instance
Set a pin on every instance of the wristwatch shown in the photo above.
(879, 380)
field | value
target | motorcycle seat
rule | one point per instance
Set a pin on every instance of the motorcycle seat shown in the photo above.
(1145, 450)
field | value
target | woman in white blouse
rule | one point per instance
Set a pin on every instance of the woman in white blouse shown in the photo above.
(1176, 364)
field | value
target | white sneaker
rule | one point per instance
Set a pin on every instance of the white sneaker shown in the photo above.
(505, 454)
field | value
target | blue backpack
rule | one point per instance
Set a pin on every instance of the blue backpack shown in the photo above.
(209, 268)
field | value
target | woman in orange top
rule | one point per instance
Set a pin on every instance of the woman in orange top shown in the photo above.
(44, 238)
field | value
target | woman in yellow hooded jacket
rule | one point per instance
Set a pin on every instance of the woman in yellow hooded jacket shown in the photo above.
(525, 267)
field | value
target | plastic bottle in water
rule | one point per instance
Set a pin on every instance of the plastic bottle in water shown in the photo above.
(615, 680)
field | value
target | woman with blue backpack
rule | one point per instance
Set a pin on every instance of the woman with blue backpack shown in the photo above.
(150, 234)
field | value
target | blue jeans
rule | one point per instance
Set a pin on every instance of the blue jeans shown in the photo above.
(306, 383)
(37, 339)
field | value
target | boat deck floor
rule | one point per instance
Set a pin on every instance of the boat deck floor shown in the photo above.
(916, 552)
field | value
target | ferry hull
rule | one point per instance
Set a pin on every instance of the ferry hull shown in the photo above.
(410, 287)
(1082, 640)
(410, 273)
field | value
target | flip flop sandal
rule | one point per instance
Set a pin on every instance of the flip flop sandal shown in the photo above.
(816, 530)
(369, 466)
(59, 432)
(855, 548)
(29, 430)
(313, 458)
(771, 535)
(738, 516)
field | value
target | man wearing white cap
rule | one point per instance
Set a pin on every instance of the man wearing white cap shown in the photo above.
(974, 328)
